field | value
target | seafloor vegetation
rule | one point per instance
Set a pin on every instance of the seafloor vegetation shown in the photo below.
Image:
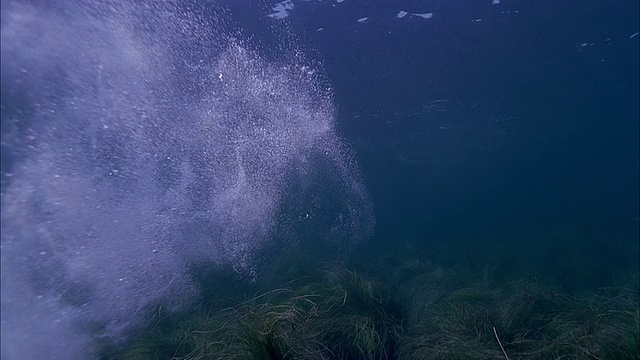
(410, 310)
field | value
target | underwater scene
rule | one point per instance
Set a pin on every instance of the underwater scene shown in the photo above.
(319, 179)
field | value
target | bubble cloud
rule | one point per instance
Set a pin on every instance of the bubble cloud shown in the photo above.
(146, 140)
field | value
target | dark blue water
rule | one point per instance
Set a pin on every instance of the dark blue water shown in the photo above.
(500, 129)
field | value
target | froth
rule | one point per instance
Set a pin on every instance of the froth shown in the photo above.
(129, 170)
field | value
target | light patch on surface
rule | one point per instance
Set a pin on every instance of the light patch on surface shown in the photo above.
(362, 20)
(633, 35)
(424, 15)
(281, 9)
(401, 14)
(495, 2)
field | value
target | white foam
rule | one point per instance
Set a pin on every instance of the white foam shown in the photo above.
(176, 179)
(401, 14)
(362, 19)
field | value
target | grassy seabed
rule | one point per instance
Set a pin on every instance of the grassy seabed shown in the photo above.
(414, 311)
